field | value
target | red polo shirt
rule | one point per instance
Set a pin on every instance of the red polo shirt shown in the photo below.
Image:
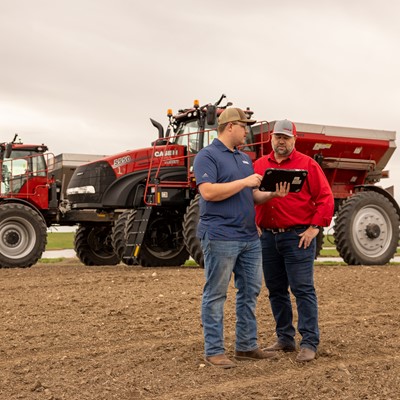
(314, 204)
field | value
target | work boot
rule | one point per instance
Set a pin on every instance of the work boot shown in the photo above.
(278, 346)
(305, 354)
(256, 354)
(220, 360)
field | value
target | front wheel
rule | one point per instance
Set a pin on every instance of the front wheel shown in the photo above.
(23, 235)
(163, 243)
(366, 229)
(93, 245)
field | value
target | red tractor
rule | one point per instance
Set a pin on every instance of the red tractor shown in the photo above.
(149, 201)
(28, 203)
(31, 200)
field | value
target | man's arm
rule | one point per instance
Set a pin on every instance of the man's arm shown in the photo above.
(221, 191)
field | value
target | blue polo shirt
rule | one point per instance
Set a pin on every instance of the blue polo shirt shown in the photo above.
(232, 218)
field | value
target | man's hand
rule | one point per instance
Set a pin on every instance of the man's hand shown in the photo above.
(307, 236)
(253, 181)
(282, 189)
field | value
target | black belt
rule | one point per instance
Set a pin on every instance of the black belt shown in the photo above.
(282, 230)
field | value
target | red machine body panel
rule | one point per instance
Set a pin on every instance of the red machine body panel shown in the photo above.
(349, 156)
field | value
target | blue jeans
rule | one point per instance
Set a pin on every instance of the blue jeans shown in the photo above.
(221, 258)
(286, 265)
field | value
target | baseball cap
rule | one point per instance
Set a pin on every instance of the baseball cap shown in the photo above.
(285, 127)
(233, 114)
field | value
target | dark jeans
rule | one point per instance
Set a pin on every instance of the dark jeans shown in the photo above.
(286, 265)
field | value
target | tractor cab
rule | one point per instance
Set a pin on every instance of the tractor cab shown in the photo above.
(23, 168)
(196, 127)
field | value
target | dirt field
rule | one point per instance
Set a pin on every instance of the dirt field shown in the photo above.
(74, 332)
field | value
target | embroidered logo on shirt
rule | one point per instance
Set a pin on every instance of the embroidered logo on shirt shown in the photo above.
(204, 175)
(245, 162)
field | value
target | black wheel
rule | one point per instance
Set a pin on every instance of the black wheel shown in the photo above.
(366, 229)
(119, 236)
(163, 243)
(93, 245)
(190, 222)
(319, 242)
(23, 235)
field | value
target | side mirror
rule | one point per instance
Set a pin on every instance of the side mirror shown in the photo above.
(211, 115)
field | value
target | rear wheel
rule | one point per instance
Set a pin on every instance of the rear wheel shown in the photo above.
(366, 229)
(190, 223)
(23, 235)
(163, 243)
(93, 245)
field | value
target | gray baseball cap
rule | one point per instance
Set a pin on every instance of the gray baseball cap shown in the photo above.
(285, 127)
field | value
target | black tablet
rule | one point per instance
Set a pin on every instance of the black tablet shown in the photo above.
(272, 176)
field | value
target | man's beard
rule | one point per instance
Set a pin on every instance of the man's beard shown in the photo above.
(282, 151)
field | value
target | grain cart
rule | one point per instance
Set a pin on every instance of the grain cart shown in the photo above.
(149, 200)
(31, 200)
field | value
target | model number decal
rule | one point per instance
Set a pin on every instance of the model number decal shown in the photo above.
(121, 161)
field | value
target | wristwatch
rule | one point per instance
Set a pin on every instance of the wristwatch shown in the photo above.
(315, 226)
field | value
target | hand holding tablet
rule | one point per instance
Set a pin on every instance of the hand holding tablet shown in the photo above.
(274, 176)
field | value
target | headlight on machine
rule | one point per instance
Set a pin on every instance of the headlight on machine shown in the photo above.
(81, 190)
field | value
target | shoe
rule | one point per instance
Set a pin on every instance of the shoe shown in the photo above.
(220, 360)
(256, 354)
(305, 354)
(278, 346)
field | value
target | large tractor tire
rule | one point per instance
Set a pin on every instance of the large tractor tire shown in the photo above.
(93, 245)
(23, 235)
(366, 229)
(119, 236)
(163, 244)
(190, 223)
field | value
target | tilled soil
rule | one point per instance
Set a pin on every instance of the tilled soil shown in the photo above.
(74, 332)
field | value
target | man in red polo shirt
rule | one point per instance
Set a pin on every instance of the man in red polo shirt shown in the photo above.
(289, 227)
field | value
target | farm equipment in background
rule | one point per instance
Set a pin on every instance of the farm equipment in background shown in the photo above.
(28, 203)
(141, 206)
(31, 200)
(149, 199)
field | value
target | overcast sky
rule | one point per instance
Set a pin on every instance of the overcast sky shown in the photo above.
(85, 76)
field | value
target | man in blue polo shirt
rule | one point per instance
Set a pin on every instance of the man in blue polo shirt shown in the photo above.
(229, 238)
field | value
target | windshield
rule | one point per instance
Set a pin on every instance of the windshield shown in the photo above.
(36, 161)
(190, 134)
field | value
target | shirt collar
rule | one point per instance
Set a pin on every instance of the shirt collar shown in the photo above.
(220, 146)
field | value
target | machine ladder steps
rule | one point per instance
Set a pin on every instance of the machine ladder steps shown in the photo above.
(136, 235)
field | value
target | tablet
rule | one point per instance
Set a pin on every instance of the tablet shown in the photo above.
(272, 176)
